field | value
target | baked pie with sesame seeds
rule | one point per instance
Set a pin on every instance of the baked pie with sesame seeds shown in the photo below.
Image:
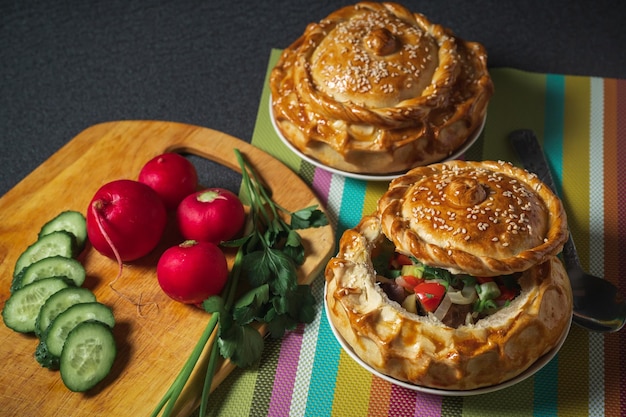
(376, 89)
(454, 282)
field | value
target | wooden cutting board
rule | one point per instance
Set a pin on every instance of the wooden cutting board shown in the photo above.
(153, 341)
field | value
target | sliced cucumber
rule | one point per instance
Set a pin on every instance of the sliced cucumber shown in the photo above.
(44, 357)
(63, 324)
(59, 243)
(53, 266)
(72, 222)
(58, 303)
(88, 355)
(22, 308)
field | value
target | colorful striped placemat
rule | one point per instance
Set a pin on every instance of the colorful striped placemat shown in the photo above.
(580, 121)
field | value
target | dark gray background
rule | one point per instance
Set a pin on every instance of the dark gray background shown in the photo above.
(66, 65)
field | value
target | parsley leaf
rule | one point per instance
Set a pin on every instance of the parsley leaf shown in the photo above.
(278, 324)
(308, 217)
(293, 247)
(243, 345)
(213, 304)
(251, 305)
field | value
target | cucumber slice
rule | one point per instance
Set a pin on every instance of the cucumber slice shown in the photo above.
(17, 279)
(72, 222)
(22, 308)
(59, 243)
(63, 324)
(58, 303)
(53, 266)
(88, 355)
(44, 357)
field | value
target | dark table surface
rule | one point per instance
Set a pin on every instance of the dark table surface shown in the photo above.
(66, 65)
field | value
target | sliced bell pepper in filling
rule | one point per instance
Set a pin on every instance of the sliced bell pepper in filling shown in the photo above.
(430, 295)
(413, 270)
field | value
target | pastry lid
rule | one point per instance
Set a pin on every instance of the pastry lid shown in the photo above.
(482, 218)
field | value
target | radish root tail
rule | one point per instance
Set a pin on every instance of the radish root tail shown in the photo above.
(96, 207)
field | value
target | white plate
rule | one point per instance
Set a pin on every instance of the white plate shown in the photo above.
(367, 177)
(534, 368)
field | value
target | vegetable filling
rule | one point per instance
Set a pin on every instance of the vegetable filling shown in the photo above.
(454, 299)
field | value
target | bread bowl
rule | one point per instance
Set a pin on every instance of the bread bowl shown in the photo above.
(438, 350)
(374, 88)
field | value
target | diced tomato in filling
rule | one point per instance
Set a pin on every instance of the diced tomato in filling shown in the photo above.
(506, 294)
(400, 259)
(408, 282)
(430, 295)
(412, 281)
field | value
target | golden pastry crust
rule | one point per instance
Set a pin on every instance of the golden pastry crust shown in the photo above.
(423, 351)
(483, 218)
(374, 88)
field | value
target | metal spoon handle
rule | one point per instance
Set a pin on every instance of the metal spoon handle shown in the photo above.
(531, 155)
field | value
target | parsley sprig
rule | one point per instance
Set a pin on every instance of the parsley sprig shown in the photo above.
(268, 257)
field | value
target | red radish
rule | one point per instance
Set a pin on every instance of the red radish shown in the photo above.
(192, 271)
(211, 215)
(172, 176)
(125, 220)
